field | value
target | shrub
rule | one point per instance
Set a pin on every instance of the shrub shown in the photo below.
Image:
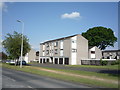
(116, 62)
(103, 62)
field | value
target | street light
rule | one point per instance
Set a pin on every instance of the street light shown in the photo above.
(21, 42)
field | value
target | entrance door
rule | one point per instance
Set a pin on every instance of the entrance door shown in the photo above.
(67, 61)
(40, 60)
(61, 61)
(43, 60)
(56, 60)
(47, 60)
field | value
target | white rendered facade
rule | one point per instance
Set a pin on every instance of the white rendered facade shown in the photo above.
(67, 50)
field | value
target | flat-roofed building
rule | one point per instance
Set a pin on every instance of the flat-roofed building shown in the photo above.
(67, 50)
(111, 54)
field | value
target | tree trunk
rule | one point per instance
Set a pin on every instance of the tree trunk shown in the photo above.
(15, 62)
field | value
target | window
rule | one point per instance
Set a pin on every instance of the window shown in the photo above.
(47, 45)
(56, 44)
(47, 52)
(52, 51)
(93, 52)
(74, 50)
(61, 44)
(37, 53)
(61, 52)
(43, 47)
(73, 41)
(56, 51)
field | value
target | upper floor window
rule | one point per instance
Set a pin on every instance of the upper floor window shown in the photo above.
(56, 51)
(47, 52)
(74, 50)
(56, 44)
(73, 41)
(47, 45)
(93, 52)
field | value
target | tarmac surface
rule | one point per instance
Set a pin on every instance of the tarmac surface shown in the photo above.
(98, 70)
(17, 79)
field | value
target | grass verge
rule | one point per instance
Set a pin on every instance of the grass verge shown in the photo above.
(86, 73)
(112, 67)
(32, 70)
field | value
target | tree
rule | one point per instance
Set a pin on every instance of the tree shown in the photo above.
(3, 56)
(101, 37)
(12, 45)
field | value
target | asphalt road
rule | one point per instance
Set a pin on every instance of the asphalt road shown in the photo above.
(97, 70)
(18, 79)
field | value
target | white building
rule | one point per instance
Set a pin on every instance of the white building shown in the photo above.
(30, 56)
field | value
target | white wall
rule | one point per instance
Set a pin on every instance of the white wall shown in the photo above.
(26, 58)
(73, 54)
(92, 55)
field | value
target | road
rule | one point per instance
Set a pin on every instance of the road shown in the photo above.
(18, 79)
(97, 70)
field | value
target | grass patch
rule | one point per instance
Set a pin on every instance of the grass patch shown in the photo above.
(86, 73)
(30, 69)
(112, 67)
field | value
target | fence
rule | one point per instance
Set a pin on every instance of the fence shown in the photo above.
(95, 62)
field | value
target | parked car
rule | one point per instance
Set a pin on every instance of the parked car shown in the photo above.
(23, 62)
(7, 61)
(12, 62)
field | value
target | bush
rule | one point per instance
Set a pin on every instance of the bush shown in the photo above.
(116, 62)
(103, 62)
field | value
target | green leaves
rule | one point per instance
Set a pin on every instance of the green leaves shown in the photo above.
(12, 44)
(100, 36)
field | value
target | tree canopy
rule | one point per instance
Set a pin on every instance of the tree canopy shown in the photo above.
(101, 37)
(12, 44)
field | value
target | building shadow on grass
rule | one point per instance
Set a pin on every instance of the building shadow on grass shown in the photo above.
(114, 73)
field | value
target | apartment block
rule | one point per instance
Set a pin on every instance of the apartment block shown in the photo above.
(67, 50)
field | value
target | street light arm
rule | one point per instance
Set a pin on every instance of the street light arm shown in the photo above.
(21, 42)
(18, 21)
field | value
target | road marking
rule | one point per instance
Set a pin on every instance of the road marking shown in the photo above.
(31, 87)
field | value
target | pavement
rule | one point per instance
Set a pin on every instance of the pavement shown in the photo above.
(98, 70)
(17, 79)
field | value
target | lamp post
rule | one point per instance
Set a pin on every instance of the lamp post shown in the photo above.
(21, 42)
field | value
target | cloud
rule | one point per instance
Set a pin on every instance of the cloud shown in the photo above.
(3, 6)
(72, 15)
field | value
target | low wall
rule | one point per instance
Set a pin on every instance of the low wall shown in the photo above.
(94, 62)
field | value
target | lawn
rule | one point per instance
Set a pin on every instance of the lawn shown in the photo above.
(89, 82)
(112, 67)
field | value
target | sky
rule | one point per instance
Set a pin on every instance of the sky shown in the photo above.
(50, 20)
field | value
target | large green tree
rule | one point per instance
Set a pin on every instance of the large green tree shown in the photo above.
(100, 36)
(12, 44)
